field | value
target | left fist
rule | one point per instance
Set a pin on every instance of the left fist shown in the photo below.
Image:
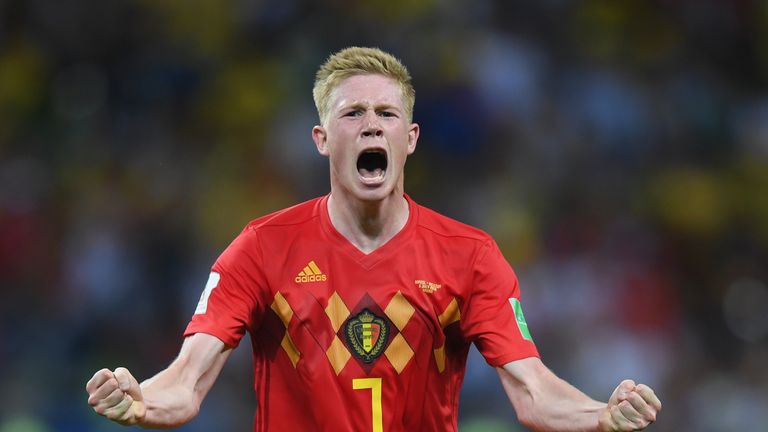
(632, 407)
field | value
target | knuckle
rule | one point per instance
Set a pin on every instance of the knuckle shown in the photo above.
(113, 413)
(116, 396)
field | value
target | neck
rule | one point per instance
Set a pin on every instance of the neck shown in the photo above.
(368, 224)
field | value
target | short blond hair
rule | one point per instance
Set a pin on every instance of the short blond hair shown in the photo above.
(360, 61)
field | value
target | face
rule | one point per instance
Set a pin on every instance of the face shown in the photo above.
(367, 138)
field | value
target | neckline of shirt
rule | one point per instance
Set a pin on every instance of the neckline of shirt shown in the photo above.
(370, 259)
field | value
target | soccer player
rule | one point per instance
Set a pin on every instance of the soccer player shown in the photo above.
(362, 304)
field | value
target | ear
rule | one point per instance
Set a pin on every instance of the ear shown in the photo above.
(320, 137)
(413, 136)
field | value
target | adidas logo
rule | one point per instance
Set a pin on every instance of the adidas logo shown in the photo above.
(311, 273)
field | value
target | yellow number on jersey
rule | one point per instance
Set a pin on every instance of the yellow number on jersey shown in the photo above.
(375, 385)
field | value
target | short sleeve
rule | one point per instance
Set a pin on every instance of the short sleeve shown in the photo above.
(492, 317)
(231, 302)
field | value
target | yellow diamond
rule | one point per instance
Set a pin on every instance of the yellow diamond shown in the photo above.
(282, 309)
(399, 353)
(290, 349)
(337, 311)
(337, 354)
(399, 310)
(450, 315)
(440, 358)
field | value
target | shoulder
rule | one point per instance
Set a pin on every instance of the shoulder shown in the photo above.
(280, 224)
(296, 215)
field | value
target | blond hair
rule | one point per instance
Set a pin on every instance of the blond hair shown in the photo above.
(360, 61)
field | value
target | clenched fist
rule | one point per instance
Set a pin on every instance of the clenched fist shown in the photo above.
(631, 407)
(117, 396)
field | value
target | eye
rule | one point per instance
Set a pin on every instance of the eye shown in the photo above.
(387, 114)
(354, 113)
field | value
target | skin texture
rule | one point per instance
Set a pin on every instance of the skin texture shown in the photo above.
(167, 400)
(544, 402)
(366, 113)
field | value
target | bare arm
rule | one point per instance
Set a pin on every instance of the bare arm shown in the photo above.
(544, 402)
(170, 398)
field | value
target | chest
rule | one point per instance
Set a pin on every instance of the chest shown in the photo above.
(394, 305)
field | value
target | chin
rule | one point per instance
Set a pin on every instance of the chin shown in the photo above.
(367, 194)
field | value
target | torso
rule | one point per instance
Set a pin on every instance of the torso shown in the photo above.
(347, 341)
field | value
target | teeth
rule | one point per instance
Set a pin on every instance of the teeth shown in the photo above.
(378, 172)
(371, 165)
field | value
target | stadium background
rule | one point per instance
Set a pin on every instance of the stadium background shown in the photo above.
(617, 151)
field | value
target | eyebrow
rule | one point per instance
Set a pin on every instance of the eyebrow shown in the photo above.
(377, 107)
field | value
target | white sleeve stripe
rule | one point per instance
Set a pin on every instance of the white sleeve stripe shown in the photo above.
(213, 281)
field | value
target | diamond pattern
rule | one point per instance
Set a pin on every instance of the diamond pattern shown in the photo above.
(440, 358)
(337, 354)
(337, 311)
(399, 352)
(399, 311)
(290, 349)
(282, 309)
(285, 313)
(450, 315)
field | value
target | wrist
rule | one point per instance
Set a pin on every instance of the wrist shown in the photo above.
(605, 422)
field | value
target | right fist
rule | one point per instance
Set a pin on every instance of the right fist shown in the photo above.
(116, 396)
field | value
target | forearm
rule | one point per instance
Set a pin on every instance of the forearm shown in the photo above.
(557, 406)
(168, 402)
(544, 402)
(173, 396)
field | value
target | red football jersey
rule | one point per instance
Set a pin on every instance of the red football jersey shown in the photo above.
(347, 341)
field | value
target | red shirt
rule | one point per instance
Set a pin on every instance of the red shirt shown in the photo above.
(344, 341)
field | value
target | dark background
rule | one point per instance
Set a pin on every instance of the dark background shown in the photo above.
(617, 151)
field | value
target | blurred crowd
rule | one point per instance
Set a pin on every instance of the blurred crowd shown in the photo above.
(617, 151)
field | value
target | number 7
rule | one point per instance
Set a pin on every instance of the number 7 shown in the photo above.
(375, 385)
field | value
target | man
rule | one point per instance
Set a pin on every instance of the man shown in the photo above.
(362, 304)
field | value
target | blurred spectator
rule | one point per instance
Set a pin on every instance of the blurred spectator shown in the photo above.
(618, 152)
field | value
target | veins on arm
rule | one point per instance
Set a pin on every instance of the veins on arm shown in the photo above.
(173, 396)
(544, 402)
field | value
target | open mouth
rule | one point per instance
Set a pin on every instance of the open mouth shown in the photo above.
(372, 164)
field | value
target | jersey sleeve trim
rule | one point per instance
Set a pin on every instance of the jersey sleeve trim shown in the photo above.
(502, 360)
(194, 328)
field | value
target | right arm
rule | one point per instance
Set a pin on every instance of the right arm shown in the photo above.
(170, 398)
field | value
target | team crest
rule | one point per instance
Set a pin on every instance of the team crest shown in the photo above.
(367, 335)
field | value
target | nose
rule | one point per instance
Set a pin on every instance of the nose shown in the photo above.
(372, 127)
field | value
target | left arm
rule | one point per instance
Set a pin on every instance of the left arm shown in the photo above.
(544, 402)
